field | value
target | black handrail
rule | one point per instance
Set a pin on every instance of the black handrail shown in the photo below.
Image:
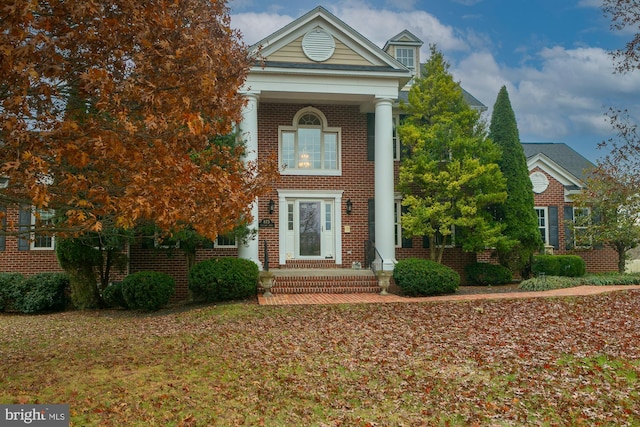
(372, 255)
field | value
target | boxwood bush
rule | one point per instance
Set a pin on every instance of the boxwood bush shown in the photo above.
(483, 273)
(9, 289)
(41, 292)
(559, 265)
(421, 277)
(147, 290)
(223, 279)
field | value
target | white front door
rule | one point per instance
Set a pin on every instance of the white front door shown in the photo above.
(310, 229)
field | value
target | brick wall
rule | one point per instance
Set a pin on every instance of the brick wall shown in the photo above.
(25, 262)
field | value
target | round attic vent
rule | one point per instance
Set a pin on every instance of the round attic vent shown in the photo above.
(540, 182)
(318, 45)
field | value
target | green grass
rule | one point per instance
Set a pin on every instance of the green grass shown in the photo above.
(512, 363)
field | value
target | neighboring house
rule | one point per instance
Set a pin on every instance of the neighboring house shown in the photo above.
(326, 100)
(557, 172)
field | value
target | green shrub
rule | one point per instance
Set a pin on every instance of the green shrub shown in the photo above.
(545, 283)
(224, 279)
(559, 265)
(9, 289)
(483, 273)
(112, 295)
(420, 277)
(41, 292)
(147, 290)
(548, 265)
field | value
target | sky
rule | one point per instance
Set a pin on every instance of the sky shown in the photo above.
(553, 56)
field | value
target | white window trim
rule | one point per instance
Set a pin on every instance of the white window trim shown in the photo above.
(545, 209)
(217, 245)
(32, 244)
(325, 129)
(396, 137)
(413, 53)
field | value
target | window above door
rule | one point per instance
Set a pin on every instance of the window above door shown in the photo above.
(309, 146)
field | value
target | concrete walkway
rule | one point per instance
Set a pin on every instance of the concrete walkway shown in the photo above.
(302, 299)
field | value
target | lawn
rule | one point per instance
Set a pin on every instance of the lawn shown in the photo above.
(544, 361)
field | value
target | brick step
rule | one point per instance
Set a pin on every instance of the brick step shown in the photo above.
(287, 281)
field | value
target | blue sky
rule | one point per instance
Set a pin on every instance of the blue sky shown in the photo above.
(551, 55)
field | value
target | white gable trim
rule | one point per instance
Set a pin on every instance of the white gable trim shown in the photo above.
(320, 17)
(560, 174)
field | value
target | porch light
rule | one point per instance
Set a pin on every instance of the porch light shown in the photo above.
(349, 206)
(272, 206)
(4, 182)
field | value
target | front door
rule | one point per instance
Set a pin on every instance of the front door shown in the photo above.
(310, 229)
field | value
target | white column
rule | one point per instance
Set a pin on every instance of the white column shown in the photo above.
(384, 196)
(249, 132)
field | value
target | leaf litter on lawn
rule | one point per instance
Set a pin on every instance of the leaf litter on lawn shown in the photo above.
(551, 361)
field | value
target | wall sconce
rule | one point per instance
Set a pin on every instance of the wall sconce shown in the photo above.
(4, 182)
(272, 206)
(349, 206)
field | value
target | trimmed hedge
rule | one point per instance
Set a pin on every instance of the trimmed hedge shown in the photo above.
(37, 293)
(224, 279)
(147, 290)
(9, 289)
(421, 277)
(483, 273)
(559, 265)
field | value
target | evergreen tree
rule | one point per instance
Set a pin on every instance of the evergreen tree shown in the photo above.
(449, 175)
(517, 212)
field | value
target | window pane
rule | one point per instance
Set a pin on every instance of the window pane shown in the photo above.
(41, 219)
(331, 151)
(288, 149)
(226, 241)
(405, 57)
(309, 149)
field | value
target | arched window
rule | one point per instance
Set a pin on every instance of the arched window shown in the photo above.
(309, 146)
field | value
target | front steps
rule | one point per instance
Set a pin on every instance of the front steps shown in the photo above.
(323, 281)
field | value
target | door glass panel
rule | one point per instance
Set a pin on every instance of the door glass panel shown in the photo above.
(310, 228)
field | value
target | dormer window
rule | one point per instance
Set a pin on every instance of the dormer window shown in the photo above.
(406, 56)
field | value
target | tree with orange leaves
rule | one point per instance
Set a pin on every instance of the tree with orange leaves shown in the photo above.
(111, 113)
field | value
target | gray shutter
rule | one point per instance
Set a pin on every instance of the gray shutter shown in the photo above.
(553, 226)
(568, 235)
(371, 136)
(406, 242)
(371, 209)
(3, 226)
(425, 241)
(24, 226)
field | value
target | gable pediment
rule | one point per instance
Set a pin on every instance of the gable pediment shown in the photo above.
(318, 39)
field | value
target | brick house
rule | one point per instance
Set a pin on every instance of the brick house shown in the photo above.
(326, 100)
(557, 171)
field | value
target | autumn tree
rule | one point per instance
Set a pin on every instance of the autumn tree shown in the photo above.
(109, 112)
(449, 175)
(625, 18)
(610, 203)
(517, 212)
